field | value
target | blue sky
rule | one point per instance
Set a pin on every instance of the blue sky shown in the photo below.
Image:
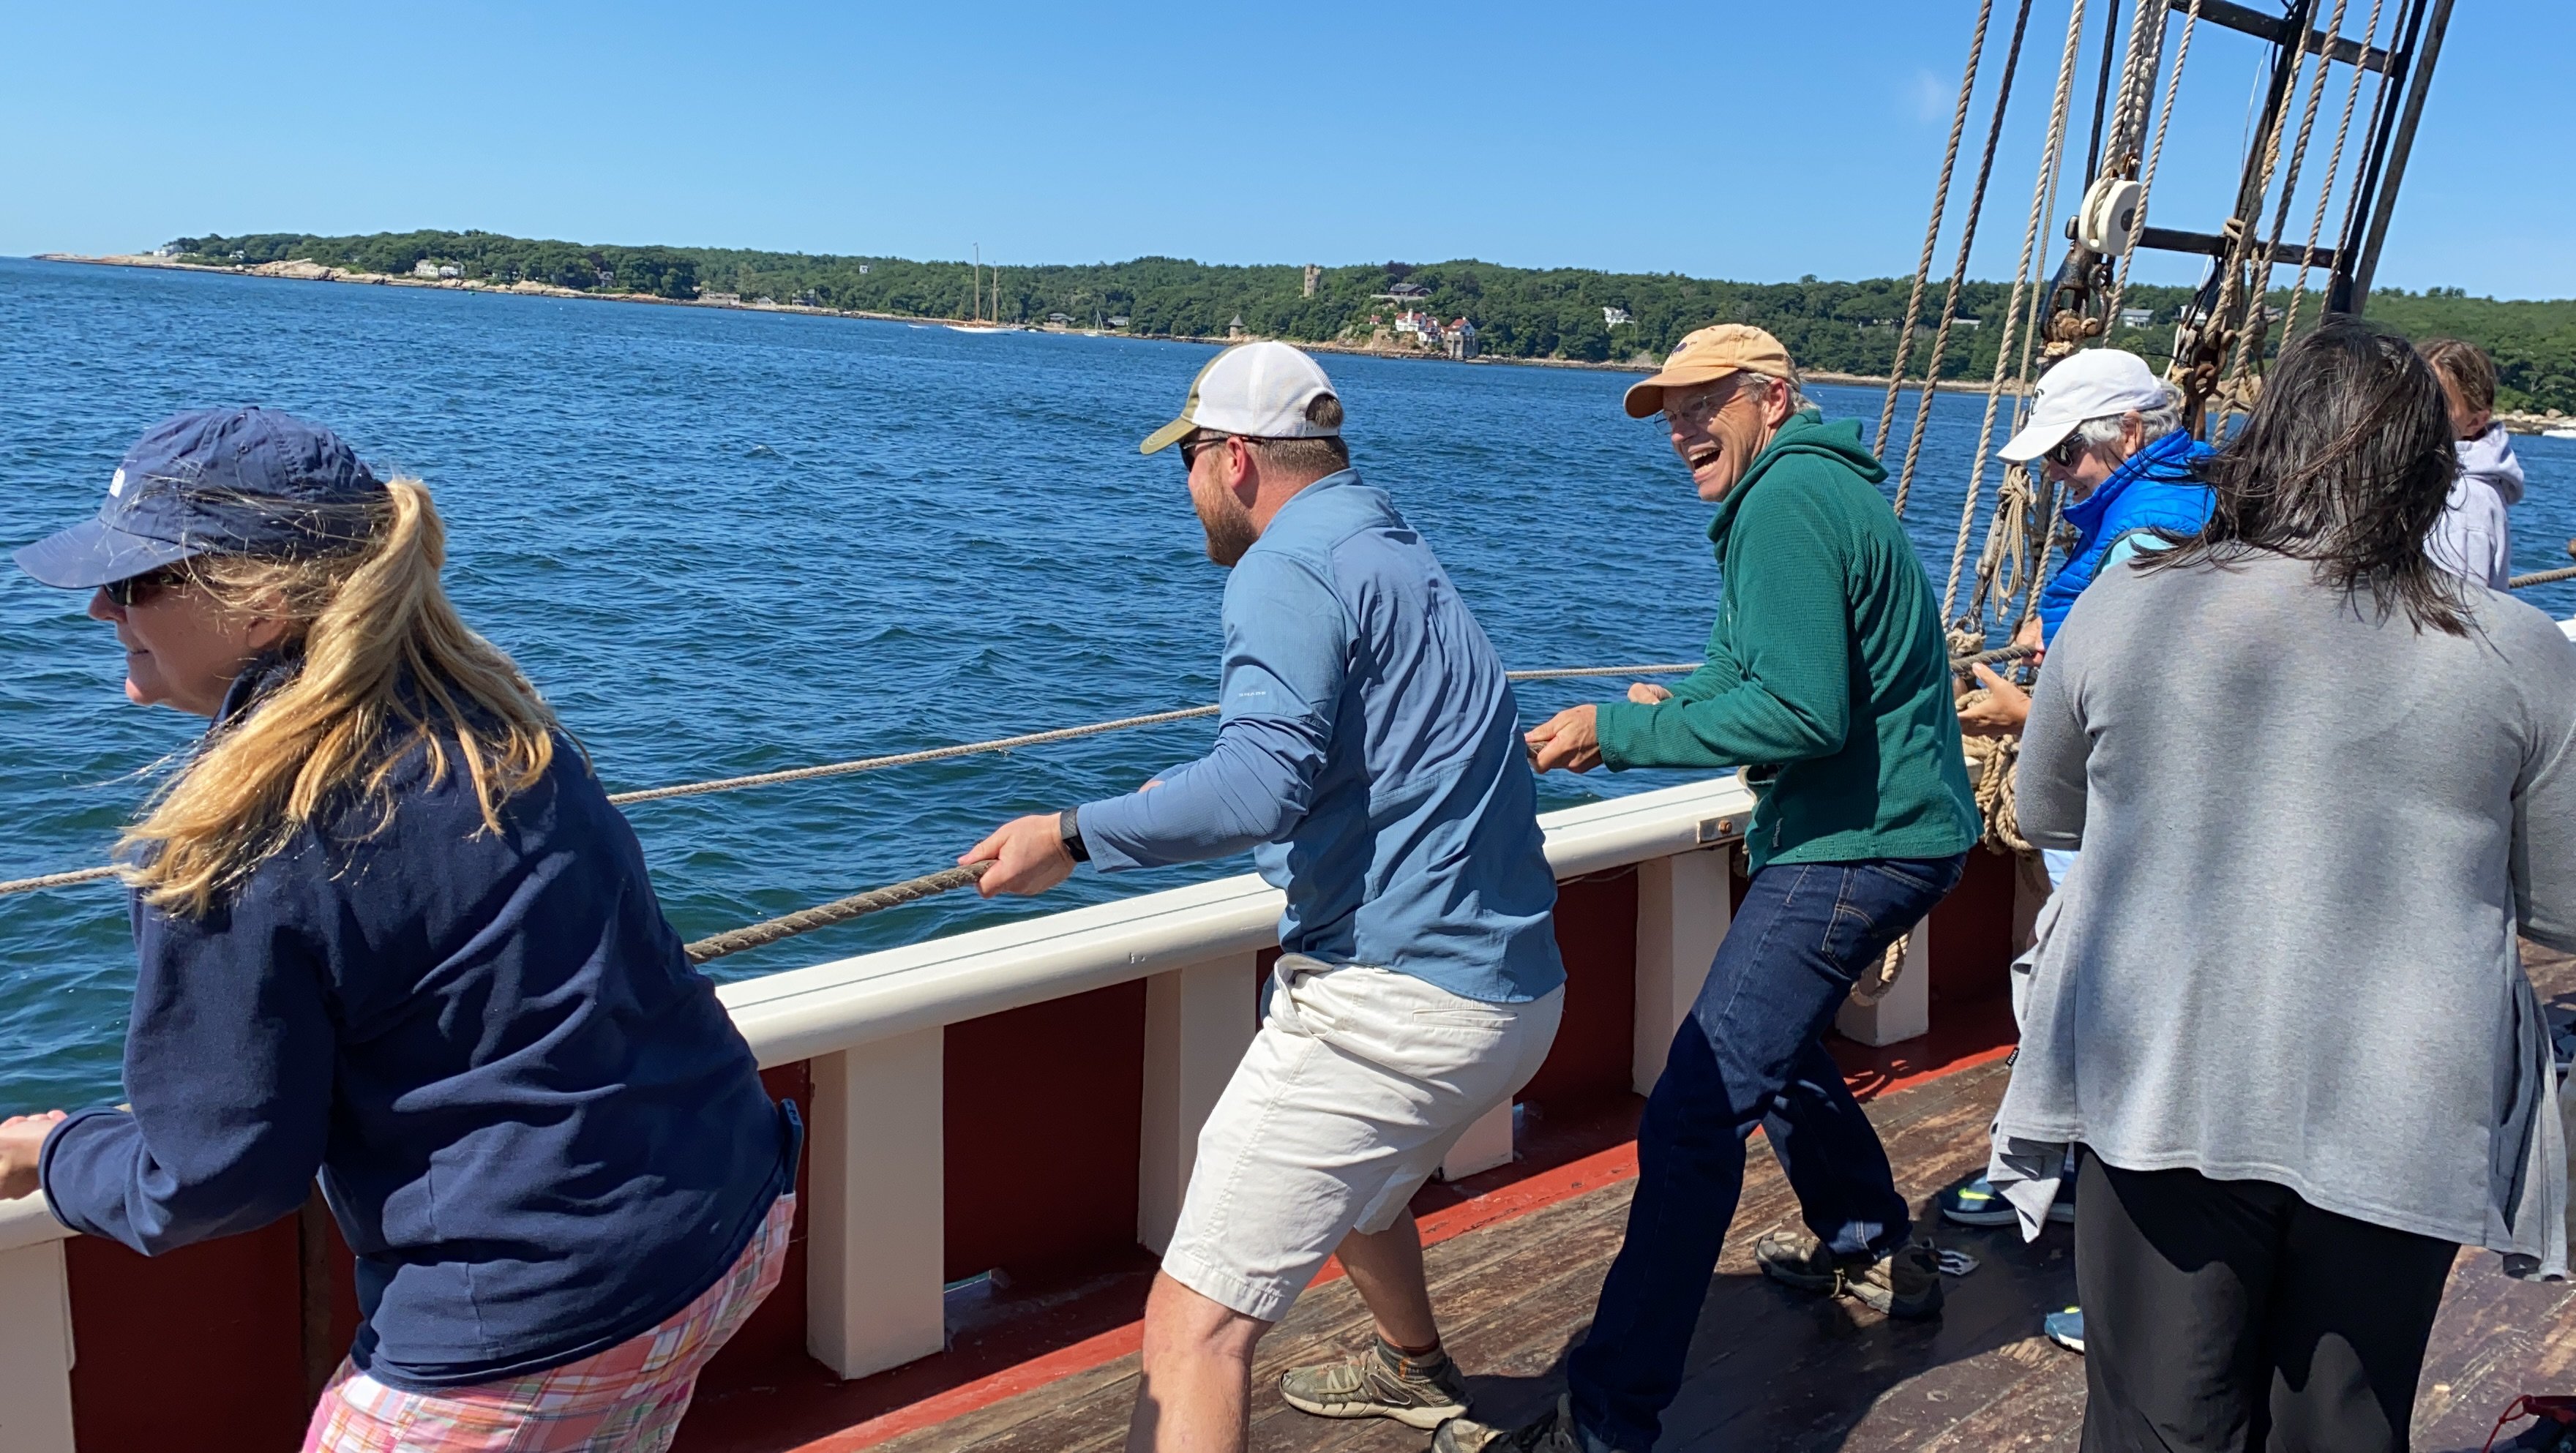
(1756, 141)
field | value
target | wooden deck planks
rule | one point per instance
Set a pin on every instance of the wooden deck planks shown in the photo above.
(1772, 1370)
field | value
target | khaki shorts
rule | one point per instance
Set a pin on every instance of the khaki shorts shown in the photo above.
(1359, 1082)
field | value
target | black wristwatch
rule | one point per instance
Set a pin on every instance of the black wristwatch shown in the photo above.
(1068, 825)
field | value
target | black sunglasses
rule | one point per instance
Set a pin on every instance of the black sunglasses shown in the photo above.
(1194, 446)
(2068, 450)
(127, 593)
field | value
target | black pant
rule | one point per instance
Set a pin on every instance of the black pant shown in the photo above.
(2232, 1315)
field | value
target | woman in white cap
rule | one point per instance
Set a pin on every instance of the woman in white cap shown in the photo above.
(390, 930)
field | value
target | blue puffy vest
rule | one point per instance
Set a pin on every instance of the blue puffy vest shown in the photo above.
(2152, 489)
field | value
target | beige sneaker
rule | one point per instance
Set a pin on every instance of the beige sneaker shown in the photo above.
(1377, 1384)
(1906, 1284)
(1554, 1432)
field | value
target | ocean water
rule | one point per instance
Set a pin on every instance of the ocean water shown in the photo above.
(728, 542)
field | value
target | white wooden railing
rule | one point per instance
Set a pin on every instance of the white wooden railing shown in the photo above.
(870, 1029)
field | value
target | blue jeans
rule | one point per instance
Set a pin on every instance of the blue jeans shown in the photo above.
(1751, 1053)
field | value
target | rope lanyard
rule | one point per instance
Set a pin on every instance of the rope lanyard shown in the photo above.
(2155, 154)
(2334, 170)
(2051, 157)
(1958, 272)
(905, 759)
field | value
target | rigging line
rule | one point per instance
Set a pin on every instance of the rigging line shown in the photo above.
(1058, 734)
(2138, 83)
(905, 759)
(1959, 270)
(2250, 347)
(2102, 90)
(2334, 170)
(2248, 239)
(2155, 154)
(2018, 547)
(2050, 157)
(1932, 235)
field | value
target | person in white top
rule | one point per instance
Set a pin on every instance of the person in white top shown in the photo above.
(2473, 539)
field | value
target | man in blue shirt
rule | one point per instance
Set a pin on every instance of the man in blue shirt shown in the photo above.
(1368, 755)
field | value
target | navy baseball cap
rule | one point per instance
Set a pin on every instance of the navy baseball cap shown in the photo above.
(245, 481)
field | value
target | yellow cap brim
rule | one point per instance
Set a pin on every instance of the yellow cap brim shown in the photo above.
(1646, 396)
(1171, 433)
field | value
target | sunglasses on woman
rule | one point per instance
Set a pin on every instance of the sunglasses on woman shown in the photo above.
(134, 589)
(2068, 450)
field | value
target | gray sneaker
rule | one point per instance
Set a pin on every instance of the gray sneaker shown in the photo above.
(1554, 1432)
(1906, 1284)
(1377, 1384)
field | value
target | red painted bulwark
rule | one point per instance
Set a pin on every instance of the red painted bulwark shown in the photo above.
(1972, 933)
(772, 1341)
(200, 1349)
(1042, 1109)
(1596, 931)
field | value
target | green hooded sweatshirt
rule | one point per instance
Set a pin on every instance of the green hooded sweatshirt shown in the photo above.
(1826, 662)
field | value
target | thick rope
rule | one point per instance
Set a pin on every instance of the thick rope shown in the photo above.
(2326, 189)
(2155, 154)
(930, 754)
(1959, 269)
(1060, 734)
(905, 759)
(2542, 577)
(57, 880)
(1932, 237)
(839, 910)
(2051, 158)
(1990, 771)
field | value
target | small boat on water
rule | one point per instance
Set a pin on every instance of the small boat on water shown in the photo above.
(976, 322)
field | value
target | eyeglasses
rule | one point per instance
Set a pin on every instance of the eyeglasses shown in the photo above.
(134, 589)
(2068, 450)
(1194, 446)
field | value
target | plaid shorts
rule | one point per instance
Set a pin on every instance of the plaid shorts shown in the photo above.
(629, 1397)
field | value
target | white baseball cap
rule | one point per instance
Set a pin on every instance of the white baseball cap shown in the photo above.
(1260, 390)
(2097, 383)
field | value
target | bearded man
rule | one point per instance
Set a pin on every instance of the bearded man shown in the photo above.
(1367, 753)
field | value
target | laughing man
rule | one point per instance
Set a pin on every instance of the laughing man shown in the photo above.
(1827, 679)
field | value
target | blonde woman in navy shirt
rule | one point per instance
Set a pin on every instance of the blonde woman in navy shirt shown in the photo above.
(391, 932)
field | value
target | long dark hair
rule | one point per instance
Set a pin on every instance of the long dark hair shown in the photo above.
(2345, 463)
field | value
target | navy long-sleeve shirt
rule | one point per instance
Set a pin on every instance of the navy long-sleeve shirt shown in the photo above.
(1368, 753)
(537, 1128)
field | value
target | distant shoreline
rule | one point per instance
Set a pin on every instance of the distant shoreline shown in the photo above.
(303, 271)
(306, 271)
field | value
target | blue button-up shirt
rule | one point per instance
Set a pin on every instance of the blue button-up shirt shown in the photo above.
(1368, 753)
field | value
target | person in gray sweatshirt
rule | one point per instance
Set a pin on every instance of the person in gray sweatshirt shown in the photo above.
(2319, 785)
(2472, 539)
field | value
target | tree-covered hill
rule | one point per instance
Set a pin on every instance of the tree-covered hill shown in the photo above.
(1841, 327)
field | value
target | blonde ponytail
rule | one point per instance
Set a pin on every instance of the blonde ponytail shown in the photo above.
(388, 668)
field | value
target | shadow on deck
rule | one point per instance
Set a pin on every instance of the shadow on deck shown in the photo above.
(1768, 1369)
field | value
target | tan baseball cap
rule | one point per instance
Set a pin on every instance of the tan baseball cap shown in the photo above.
(1707, 356)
